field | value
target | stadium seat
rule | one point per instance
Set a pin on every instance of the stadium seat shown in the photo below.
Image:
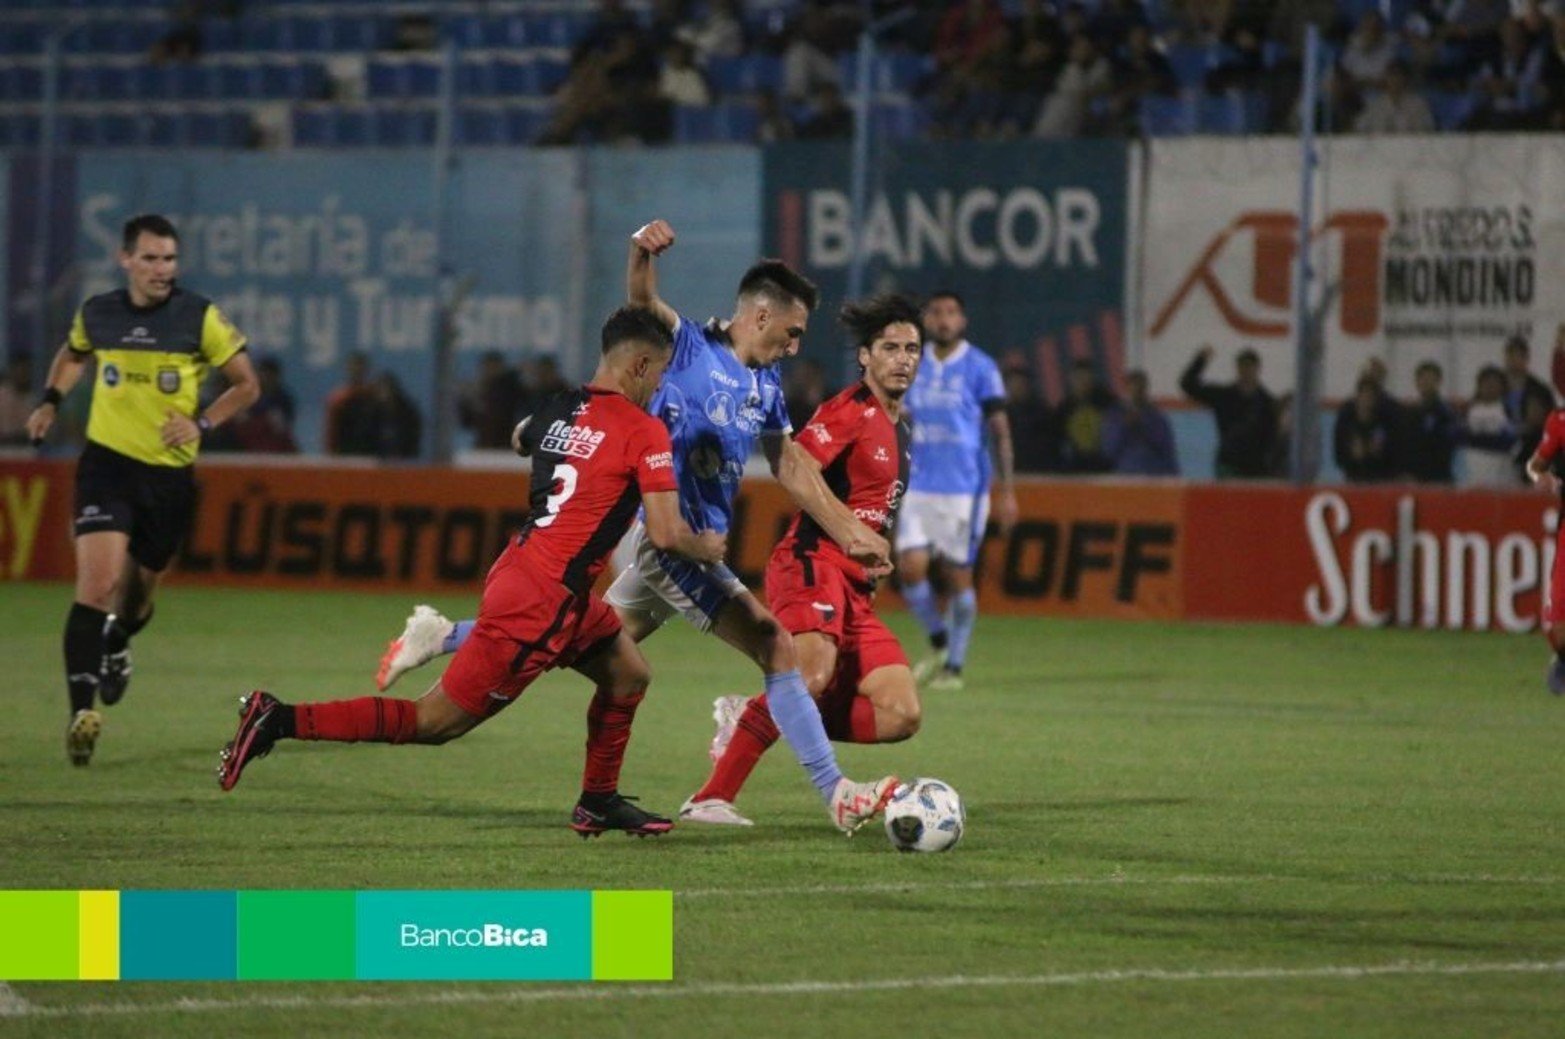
(747, 74)
(480, 126)
(312, 127)
(354, 32)
(120, 130)
(695, 124)
(1219, 113)
(1190, 64)
(239, 78)
(404, 127)
(1164, 116)
(899, 120)
(523, 125)
(21, 38)
(18, 131)
(1449, 108)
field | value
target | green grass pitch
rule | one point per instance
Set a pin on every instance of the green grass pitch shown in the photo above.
(1173, 830)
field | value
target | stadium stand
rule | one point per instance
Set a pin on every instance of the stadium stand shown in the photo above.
(355, 72)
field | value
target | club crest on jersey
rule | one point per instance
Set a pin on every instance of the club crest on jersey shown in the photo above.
(575, 441)
(168, 380)
(111, 375)
(880, 453)
(720, 408)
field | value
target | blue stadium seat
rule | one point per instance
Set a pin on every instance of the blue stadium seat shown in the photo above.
(120, 130)
(1219, 113)
(183, 82)
(216, 129)
(466, 30)
(747, 74)
(480, 126)
(163, 129)
(21, 82)
(312, 127)
(78, 82)
(21, 38)
(1164, 116)
(523, 125)
(505, 31)
(899, 120)
(239, 78)
(737, 121)
(901, 71)
(219, 35)
(350, 127)
(1450, 109)
(402, 127)
(305, 33)
(695, 124)
(475, 78)
(1190, 64)
(353, 32)
(18, 131)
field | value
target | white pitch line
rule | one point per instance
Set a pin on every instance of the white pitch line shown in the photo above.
(601, 992)
(12, 1004)
(1112, 880)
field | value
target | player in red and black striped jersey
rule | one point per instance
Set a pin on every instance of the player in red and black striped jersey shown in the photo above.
(852, 663)
(597, 456)
(1545, 469)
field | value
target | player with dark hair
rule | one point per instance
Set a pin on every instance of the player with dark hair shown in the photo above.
(153, 342)
(596, 455)
(722, 393)
(860, 442)
(1544, 470)
(958, 412)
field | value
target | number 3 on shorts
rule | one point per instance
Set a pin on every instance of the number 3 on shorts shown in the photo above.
(566, 475)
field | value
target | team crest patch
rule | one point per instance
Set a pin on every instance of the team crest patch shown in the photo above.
(168, 380)
(111, 375)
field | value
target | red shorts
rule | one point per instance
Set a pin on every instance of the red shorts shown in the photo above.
(1554, 597)
(810, 594)
(526, 626)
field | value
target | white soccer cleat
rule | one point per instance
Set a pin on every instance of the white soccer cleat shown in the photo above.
(930, 666)
(725, 712)
(854, 804)
(421, 641)
(946, 681)
(712, 810)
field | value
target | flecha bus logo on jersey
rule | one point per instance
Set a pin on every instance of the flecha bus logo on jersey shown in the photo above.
(661, 460)
(575, 441)
(819, 432)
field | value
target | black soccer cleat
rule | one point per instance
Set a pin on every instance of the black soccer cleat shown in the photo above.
(114, 672)
(258, 715)
(615, 812)
(114, 677)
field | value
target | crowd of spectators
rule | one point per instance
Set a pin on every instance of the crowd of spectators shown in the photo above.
(1482, 442)
(1064, 69)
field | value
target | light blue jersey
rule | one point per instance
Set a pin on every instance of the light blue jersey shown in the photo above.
(950, 402)
(714, 407)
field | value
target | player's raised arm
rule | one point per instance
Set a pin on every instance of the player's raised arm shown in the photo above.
(800, 474)
(668, 531)
(641, 279)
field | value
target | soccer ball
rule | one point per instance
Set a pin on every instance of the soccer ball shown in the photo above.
(925, 815)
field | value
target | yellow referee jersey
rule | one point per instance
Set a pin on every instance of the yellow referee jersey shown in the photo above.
(150, 361)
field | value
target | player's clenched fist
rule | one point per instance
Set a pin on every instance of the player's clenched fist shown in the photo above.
(709, 547)
(655, 237)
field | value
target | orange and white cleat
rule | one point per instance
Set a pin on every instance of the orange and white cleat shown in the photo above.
(422, 640)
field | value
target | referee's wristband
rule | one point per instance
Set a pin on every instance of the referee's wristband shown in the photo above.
(204, 424)
(51, 396)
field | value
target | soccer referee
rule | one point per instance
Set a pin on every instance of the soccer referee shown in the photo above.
(134, 486)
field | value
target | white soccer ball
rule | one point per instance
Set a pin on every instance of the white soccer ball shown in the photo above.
(925, 815)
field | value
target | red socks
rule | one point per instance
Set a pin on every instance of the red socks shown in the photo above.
(752, 736)
(379, 719)
(608, 733)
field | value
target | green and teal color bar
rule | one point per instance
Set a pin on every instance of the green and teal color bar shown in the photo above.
(336, 935)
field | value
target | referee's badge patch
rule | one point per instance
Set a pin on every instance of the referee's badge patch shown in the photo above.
(168, 380)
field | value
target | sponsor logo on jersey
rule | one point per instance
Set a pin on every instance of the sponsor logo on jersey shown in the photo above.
(575, 441)
(828, 611)
(140, 336)
(168, 380)
(880, 453)
(723, 378)
(821, 434)
(111, 375)
(662, 460)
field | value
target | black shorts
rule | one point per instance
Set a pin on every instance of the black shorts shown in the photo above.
(151, 503)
